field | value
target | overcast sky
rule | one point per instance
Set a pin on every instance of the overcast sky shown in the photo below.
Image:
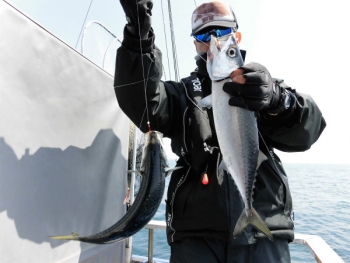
(304, 42)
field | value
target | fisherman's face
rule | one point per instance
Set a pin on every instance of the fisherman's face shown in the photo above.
(203, 47)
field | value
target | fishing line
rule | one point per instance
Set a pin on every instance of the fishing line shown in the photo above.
(87, 13)
(146, 108)
(132, 83)
(142, 62)
(188, 97)
(143, 70)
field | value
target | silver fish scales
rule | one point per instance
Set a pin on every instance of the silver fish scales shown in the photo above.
(236, 130)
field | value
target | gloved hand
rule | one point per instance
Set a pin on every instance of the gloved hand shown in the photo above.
(138, 14)
(258, 91)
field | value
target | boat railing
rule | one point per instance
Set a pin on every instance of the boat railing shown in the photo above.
(321, 251)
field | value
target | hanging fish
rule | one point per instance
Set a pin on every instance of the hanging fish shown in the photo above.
(236, 129)
(153, 171)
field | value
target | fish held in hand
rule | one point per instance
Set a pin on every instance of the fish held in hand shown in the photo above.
(153, 171)
(236, 129)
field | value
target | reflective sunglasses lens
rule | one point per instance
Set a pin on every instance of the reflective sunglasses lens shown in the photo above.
(205, 37)
(223, 32)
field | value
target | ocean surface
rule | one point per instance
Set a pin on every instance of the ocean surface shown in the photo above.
(321, 200)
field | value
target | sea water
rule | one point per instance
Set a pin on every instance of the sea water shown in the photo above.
(321, 201)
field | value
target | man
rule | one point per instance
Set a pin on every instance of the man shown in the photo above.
(203, 203)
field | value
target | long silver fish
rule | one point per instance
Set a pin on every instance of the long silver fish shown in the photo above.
(153, 171)
(236, 129)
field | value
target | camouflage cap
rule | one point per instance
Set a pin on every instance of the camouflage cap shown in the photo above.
(215, 13)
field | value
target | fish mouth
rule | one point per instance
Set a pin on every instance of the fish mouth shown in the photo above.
(219, 41)
(223, 57)
(154, 137)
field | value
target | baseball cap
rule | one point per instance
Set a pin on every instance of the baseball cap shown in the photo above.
(215, 13)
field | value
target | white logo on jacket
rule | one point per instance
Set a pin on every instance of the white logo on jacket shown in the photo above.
(197, 86)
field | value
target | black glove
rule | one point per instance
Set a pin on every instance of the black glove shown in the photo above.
(138, 14)
(257, 93)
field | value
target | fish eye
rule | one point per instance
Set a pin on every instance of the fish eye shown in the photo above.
(231, 52)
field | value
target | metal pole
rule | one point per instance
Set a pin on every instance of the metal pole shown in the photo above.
(128, 243)
(150, 246)
(176, 67)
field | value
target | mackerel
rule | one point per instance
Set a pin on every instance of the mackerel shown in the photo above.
(236, 129)
(153, 171)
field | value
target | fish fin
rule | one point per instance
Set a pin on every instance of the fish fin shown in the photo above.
(73, 236)
(223, 166)
(206, 102)
(261, 158)
(254, 220)
(260, 225)
(169, 171)
(241, 224)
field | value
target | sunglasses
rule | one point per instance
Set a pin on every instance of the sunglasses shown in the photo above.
(205, 37)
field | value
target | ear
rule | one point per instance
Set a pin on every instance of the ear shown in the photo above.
(238, 37)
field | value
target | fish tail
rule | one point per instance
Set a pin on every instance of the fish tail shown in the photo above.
(73, 236)
(169, 171)
(254, 220)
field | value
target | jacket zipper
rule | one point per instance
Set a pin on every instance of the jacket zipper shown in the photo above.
(181, 181)
(184, 130)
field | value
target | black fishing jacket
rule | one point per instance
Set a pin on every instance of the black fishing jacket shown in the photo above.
(211, 210)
